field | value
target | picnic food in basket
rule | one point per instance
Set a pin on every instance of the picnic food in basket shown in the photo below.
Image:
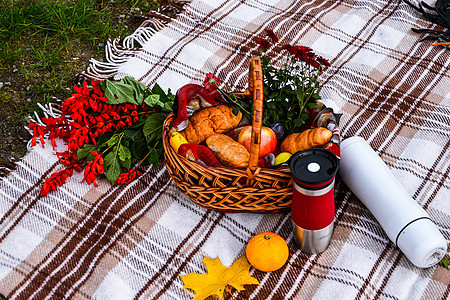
(176, 140)
(207, 125)
(239, 186)
(268, 140)
(199, 154)
(196, 97)
(310, 138)
(228, 151)
(208, 121)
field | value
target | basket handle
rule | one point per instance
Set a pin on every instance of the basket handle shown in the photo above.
(255, 86)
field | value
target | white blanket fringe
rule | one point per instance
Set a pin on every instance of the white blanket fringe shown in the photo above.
(116, 53)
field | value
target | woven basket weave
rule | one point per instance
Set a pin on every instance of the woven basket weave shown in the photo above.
(254, 189)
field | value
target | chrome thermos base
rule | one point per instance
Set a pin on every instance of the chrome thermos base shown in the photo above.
(313, 241)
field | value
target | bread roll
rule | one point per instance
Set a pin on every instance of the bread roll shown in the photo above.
(208, 121)
(310, 138)
(229, 152)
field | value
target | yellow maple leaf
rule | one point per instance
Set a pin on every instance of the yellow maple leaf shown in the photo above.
(218, 277)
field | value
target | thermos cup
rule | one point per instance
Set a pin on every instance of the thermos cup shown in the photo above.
(406, 224)
(312, 208)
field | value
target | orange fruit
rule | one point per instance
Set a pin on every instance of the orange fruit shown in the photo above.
(267, 251)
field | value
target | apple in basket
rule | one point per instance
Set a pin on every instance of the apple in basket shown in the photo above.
(268, 140)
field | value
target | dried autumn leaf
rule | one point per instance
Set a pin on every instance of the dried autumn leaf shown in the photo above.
(218, 277)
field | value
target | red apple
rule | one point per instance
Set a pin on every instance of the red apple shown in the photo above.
(268, 140)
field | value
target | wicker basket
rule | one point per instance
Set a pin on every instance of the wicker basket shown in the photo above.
(255, 189)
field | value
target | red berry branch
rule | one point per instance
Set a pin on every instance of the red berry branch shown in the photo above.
(106, 126)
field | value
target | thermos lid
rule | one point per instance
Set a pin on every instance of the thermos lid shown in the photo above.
(314, 166)
(422, 243)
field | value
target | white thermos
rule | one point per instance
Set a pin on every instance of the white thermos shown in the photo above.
(406, 224)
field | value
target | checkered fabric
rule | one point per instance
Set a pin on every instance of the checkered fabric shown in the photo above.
(133, 241)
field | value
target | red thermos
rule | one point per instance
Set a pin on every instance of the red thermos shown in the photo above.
(312, 209)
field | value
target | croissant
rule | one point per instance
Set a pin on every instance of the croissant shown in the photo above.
(228, 151)
(310, 138)
(208, 121)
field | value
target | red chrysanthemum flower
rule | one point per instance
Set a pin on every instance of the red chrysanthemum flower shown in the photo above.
(272, 35)
(323, 61)
(211, 82)
(263, 43)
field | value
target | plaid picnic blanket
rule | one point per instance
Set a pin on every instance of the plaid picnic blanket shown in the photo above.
(133, 241)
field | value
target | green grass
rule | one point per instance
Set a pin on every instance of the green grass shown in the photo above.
(45, 43)
(54, 21)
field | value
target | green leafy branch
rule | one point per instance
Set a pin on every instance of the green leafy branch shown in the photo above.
(138, 142)
(129, 90)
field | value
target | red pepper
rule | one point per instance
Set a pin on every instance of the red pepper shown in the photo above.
(199, 153)
(186, 96)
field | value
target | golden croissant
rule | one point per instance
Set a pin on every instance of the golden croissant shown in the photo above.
(310, 138)
(209, 121)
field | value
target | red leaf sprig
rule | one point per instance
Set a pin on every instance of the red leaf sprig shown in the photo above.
(105, 125)
(127, 177)
(57, 179)
(94, 168)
